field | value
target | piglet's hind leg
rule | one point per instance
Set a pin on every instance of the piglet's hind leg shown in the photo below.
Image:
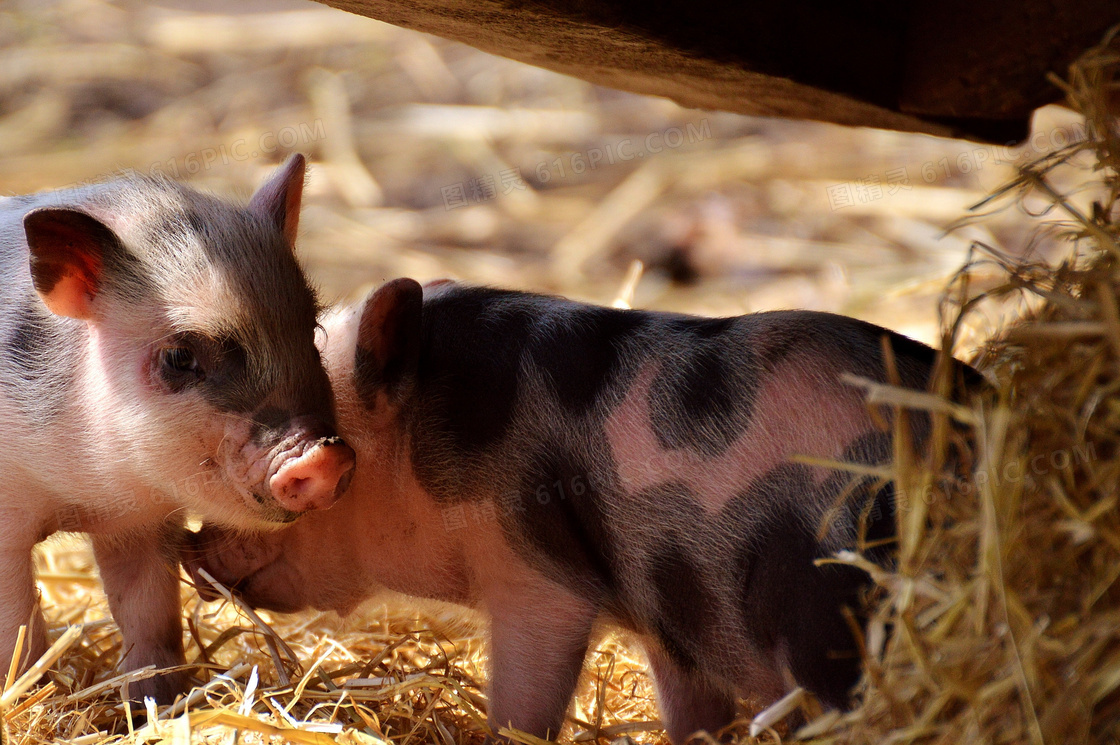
(688, 703)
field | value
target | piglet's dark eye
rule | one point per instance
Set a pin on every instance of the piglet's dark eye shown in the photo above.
(179, 367)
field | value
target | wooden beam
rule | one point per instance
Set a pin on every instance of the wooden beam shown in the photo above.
(953, 68)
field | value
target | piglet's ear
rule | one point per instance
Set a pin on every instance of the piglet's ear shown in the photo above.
(68, 254)
(388, 348)
(279, 198)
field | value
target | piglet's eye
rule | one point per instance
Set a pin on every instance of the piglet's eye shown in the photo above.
(179, 367)
(180, 359)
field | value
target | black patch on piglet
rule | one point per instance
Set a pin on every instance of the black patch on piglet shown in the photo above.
(687, 605)
(266, 422)
(40, 355)
(228, 384)
(581, 355)
(468, 375)
(703, 395)
(870, 504)
(856, 347)
(563, 522)
(270, 417)
(702, 328)
(786, 598)
(469, 368)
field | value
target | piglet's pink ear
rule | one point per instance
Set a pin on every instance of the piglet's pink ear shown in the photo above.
(279, 198)
(388, 347)
(68, 252)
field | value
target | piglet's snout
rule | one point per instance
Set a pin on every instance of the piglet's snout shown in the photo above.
(315, 478)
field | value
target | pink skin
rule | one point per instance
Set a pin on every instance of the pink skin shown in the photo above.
(393, 536)
(304, 471)
(784, 424)
(312, 474)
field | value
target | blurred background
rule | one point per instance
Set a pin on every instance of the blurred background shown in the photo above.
(432, 159)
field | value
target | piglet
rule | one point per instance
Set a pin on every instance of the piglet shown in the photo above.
(157, 357)
(559, 464)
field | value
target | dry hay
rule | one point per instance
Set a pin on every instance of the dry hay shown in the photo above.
(394, 674)
(1001, 623)
(1005, 608)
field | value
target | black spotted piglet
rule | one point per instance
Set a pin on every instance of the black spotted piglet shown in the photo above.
(559, 464)
(157, 357)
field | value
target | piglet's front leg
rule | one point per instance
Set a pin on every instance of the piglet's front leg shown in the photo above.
(19, 602)
(140, 573)
(539, 638)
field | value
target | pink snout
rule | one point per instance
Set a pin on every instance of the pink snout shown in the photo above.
(316, 479)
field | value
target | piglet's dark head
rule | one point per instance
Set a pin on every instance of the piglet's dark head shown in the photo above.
(199, 340)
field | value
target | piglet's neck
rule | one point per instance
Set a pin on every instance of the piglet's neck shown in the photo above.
(399, 525)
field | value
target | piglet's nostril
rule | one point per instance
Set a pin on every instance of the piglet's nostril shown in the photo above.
(315, 479)
(344, 483)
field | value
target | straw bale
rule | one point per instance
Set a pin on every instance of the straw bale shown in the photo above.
(1004, 609)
